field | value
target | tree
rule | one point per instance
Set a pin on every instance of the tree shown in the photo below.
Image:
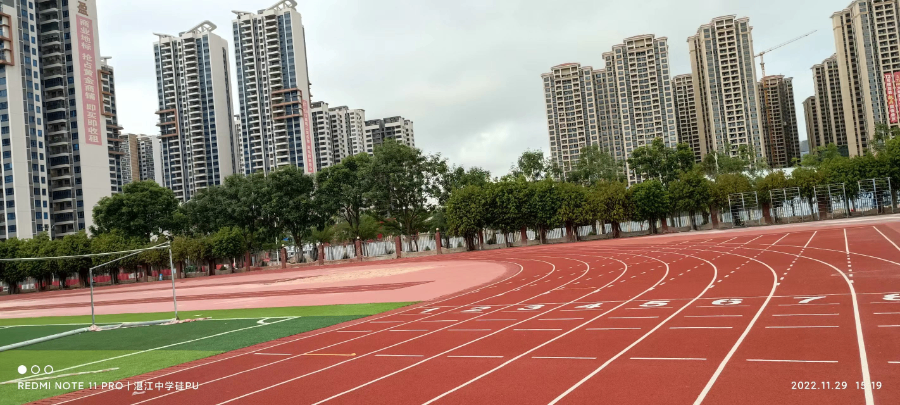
(594, 165)
(401, 183)
(651, 202)
(11, 272)
(341, 190)
(724, 186)
(571, 199)
(466, 212)
(507, 205)
(613, 203)
(690, 193)
(290, 202)
(773, 181)
(35, 247)
(883, 133)
(227, 244)
(716, 163)
(657, 161)
(141, 210)
(820, 155)
(74, 245)
(456, 178)
(532, 165)
(114, 241)
(542, 205)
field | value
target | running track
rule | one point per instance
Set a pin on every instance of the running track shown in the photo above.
(714, 318)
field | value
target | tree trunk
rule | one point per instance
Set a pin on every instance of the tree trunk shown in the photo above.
(693, 221)
(766, 214)
(615, 230)
(652, 222)
(247, 262)
(665, 224)
(714, 215)
(481, 239)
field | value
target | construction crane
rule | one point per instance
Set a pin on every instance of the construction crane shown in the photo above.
(761, 55)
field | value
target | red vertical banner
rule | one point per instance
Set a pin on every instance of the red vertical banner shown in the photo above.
(890, 89)
(896, 101)
(90, 93)
(307, 139)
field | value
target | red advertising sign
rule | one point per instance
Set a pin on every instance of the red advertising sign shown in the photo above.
(896, 88)
(307, 140)
(90, 94)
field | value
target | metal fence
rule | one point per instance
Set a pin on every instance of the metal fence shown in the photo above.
(744, 209)
(875, 197)
(831, 201)
(789, 206)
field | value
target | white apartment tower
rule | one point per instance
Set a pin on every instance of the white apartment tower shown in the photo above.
(147, 152)
(639, 82)
(120, 169)
(571, 114)
(725, 86)
(397, 128)
(348, 129)
(828, 126)
(195, 114)
(812, 118)
(686, 115)
(323, 140)
(26, 207)
(866, 40)
(779, 121)
(75, 127)
(273, 89)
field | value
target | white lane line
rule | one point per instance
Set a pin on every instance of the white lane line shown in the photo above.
(273, 354)
(644, 336)
(477, 357)
(408, 330)
(625, 270)
(468, 330)
(756, 316)
(800, 327)
(669, 358)
(613, 329)
(560, 319)
(444, 320)
(486, 320)
(353, 331)
(794, 361)
(701, 327)
(390, 321)
(892, 242)
(399, 355)
(805, 314)
(887, 313)
(633, 317)
(571, 358)
(521, 269)
(889, 326)
(894, 362)
(713, 316)
(536, 329)
(557, 337)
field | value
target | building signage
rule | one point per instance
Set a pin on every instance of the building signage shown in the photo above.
(890, 88)
(307, 140)
(90, 92)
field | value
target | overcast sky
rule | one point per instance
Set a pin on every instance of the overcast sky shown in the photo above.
(465, 71)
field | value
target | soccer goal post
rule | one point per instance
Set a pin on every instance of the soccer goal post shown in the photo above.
(126, 254)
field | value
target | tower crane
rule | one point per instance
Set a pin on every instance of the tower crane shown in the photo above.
(761, 55)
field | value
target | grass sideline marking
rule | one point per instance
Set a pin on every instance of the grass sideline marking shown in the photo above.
(145, 351)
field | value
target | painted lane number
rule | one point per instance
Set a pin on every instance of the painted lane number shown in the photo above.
(531, 307)
(430, 310)
(892, 297)
(589, 306)
(653, 304)
(477, 309)
(807, 300)
(728, 301)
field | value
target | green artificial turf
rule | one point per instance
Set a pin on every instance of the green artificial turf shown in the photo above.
(140, 350)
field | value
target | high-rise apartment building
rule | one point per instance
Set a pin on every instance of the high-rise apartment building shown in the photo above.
(348, 131)
(75, 127)
(273, 89)
(812, 117)
(397, 128)
(569, 98)
(236, 154)
(686, 115)
(779, 121)
(866, 40)
(195, 113)
(120, 171)
(26, 201)
(725, 86)
(322, 137)
(639, 71)
(828, 126)
(148, 151)
(131, 158)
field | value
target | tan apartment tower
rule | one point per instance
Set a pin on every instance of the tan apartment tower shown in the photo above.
(686, 115)
(725, 86)
(779, 118)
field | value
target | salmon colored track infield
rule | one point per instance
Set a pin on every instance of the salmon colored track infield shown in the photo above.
(756, 316)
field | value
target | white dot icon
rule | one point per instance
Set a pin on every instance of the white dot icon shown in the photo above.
(23, 369)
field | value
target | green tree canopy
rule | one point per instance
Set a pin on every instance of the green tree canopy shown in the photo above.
(141, 210)
(341, 190)
(595, 165)
(651, 202)
(690, 193)
(657, 161)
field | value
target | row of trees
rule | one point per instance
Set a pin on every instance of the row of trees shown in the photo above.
(400, 190)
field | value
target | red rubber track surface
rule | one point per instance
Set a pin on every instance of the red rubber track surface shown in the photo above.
(742, 317)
